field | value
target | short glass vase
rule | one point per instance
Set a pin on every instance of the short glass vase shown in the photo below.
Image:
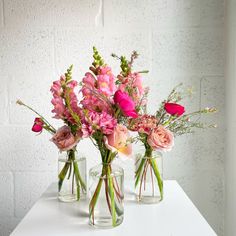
(149, 178)
(106, 190)
(71, 176)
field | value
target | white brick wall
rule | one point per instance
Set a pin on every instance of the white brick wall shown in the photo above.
(230, 162)
(179, 41)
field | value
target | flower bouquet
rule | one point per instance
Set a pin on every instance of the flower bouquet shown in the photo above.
(156, 133)
(106, 111)
(72, 171)
(111, 106)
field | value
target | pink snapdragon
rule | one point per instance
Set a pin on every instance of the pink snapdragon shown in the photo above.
(98, 90)
(59, 90)
(133, 82)
(106, 81)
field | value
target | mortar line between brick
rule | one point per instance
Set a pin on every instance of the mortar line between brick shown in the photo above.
(3, 13)
(54, 49)
(103, 12)
(8, 104)
(14, 196)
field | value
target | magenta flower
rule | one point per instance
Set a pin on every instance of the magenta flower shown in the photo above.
(38, 125)
(125, 103)
(174, 109)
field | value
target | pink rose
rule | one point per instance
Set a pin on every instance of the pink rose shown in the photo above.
(118, 140)
(125, 103)
(161, 138)
(38, 125)
(64, 139)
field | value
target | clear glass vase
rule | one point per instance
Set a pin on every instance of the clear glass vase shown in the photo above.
(71, 177)
(148, 177)
(106, 190)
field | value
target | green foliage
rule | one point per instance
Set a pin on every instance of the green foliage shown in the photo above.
(98, 60)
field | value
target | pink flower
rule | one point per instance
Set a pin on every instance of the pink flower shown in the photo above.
(134, 82)
(98, 121)
(60, 89)
(89, 80)
(106, 81)
(64, 139)
(143, 124)
(125, 103)
(161, 139)
(72, 84)
(94, 90)
(118, 140)
(56, 88)
(59, 107)
(174, 109)
(38, 125)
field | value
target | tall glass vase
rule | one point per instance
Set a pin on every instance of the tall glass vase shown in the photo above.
(106, 188)
(148, 177)
(71, 176)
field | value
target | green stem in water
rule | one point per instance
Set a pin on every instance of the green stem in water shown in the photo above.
(158, 176)
(95, 198)
(140, 170)
(112, 196)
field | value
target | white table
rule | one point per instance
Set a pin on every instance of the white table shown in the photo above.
(174, 216)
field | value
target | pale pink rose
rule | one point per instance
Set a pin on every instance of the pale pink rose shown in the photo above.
(118, 140)
(161, 139)
(64, 139)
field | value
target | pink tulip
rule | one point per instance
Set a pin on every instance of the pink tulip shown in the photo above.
(125, 103)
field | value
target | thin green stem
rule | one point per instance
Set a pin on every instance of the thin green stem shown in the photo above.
(51, 128)
(158, 176)
(112, 196)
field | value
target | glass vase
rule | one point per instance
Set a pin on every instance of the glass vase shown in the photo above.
(106, 189)
(148, 177)
(71, 177)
